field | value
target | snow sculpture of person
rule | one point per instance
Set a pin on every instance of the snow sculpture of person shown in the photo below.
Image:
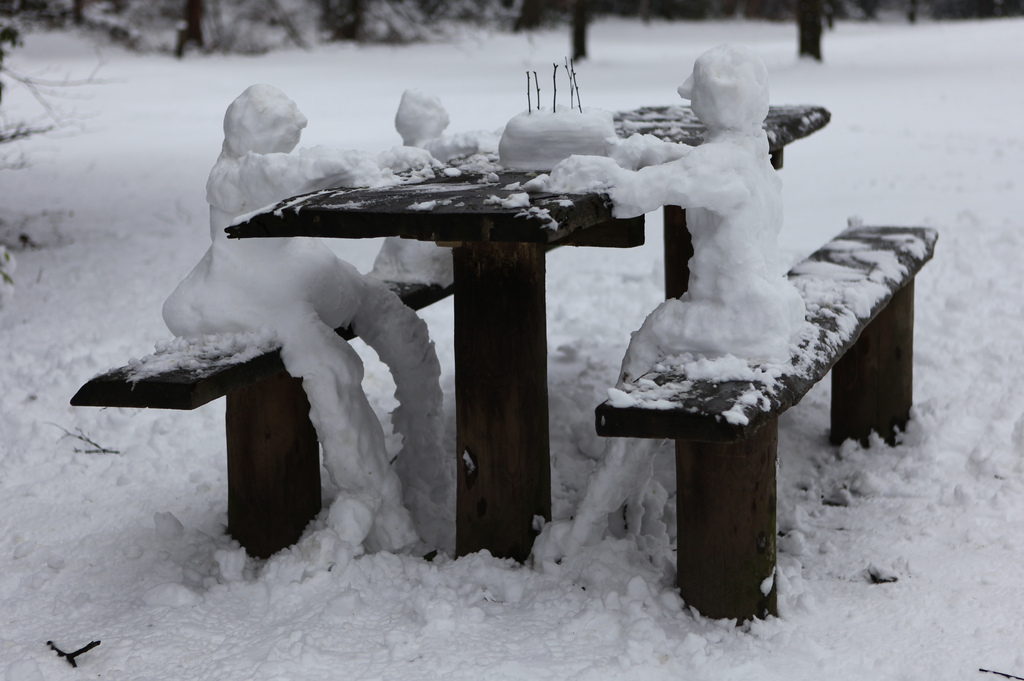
(421, 120)
(302, 291)
(738, 301)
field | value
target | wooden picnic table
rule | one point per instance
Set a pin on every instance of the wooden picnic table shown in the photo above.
(498, 244)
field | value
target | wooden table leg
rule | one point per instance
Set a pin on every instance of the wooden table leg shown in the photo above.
(678, 251)
(873, 383)
(726, 516)
(501, 398)
(273, 465)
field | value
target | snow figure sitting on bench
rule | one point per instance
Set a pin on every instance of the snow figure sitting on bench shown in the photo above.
(302, 291)
(739, 305)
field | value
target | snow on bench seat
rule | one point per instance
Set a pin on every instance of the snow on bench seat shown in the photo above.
(845, 285)
(187, 375)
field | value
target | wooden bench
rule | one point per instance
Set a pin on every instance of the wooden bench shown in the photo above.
(859, 293)
(272, 449)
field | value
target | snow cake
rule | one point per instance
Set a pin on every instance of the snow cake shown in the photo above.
(539, 140)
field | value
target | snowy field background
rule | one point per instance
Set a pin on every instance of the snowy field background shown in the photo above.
(130, 548)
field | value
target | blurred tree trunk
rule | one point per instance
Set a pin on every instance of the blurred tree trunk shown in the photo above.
(579, 29)
(344, 20)
(77, 12)
(529, 15)
(808, 17)
(192, 32)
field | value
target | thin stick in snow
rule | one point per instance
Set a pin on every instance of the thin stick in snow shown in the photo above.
(1008, 676)
(536, 82)
(70, 657)
(529, 102)
(575, 84)
(554, 85)
(568, 72)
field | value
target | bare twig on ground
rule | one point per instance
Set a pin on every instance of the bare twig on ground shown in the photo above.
(1008, 676)
(70, 657)
(79, 435)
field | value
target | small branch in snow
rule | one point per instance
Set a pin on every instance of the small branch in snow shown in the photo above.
(70, 657)
(536, 83)
(1008, 676)
(529, 102)
(79, 435)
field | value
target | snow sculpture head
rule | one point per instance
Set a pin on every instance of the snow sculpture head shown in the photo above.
(420, 118)
(728, 88)
(262, 120)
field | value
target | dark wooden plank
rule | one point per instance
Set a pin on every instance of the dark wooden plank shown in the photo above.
(501, 400)
(726, 525)
(873, 383)
(678, 251)
(192, 388)
(467, 208)
(618, 233)
(177, 389)
(698, 408)
(678, 123)
(273, 465)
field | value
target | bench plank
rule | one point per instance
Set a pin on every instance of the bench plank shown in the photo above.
(189, 388)
(845, 285)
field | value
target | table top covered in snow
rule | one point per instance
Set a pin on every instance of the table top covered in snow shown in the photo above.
(488, 206)
(491, 206)
(845, 285)
(679, 124)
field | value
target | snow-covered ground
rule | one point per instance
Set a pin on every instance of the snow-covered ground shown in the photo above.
(129, 548)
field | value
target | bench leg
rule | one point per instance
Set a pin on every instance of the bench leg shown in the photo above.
(678, 251)
(273, 465)
(873, 383)
(726, 515)
(501, 398)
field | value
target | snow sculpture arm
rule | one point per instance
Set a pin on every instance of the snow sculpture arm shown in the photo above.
(257, 180)
(639, 151)
(705, 178)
